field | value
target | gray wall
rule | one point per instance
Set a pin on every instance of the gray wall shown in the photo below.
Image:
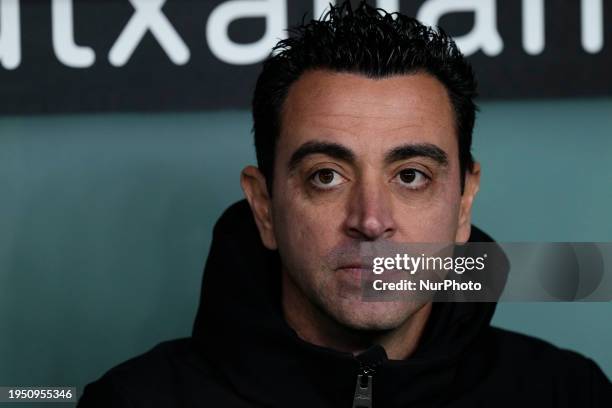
(105, 223)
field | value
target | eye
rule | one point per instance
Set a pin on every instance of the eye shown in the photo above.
(326, 179)
(412, 178)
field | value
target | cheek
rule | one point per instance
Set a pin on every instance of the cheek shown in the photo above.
(305, 229)
(433, 220)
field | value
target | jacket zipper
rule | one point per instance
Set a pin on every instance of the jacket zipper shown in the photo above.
(363, 387)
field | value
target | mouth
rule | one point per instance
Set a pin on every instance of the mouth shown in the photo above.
(365, 272)
(354, 266)
(355, 272)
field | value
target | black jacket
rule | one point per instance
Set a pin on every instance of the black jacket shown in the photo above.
(243, 354)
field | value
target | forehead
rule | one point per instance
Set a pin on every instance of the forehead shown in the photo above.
(365, 113)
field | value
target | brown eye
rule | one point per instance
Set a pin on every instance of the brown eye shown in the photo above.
(412, 179)
(408, 175)
(325, 176)
(326, 179)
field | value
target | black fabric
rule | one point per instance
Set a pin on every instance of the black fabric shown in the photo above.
(243, 354)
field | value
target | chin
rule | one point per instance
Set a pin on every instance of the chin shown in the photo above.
(374, 316)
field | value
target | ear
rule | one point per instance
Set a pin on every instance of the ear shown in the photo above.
(472, 184)
(256, 191)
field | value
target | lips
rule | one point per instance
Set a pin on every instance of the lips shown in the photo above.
(356, 261)
(365, 272)
(358, 266)
(354, 274)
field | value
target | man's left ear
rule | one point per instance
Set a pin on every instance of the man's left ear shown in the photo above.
(472, 184)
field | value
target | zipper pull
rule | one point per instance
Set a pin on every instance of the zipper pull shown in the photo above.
(369, 361)
(363, 390)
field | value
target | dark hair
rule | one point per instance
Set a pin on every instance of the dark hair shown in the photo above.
(370, 42)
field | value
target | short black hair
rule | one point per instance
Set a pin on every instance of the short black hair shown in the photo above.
(370, 42)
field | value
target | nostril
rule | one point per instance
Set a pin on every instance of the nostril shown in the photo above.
(369, 216)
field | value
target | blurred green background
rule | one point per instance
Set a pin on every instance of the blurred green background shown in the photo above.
(106, 220)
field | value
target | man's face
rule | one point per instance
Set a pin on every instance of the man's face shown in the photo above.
(362, 160)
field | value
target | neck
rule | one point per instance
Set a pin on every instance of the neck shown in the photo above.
(317, 327)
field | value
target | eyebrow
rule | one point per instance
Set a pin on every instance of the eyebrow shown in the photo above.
(335, 150)
(339, 152)
(417, 150)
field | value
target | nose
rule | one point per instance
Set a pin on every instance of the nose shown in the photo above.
(370, 214)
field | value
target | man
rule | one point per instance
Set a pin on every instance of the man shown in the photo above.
(363, 124)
